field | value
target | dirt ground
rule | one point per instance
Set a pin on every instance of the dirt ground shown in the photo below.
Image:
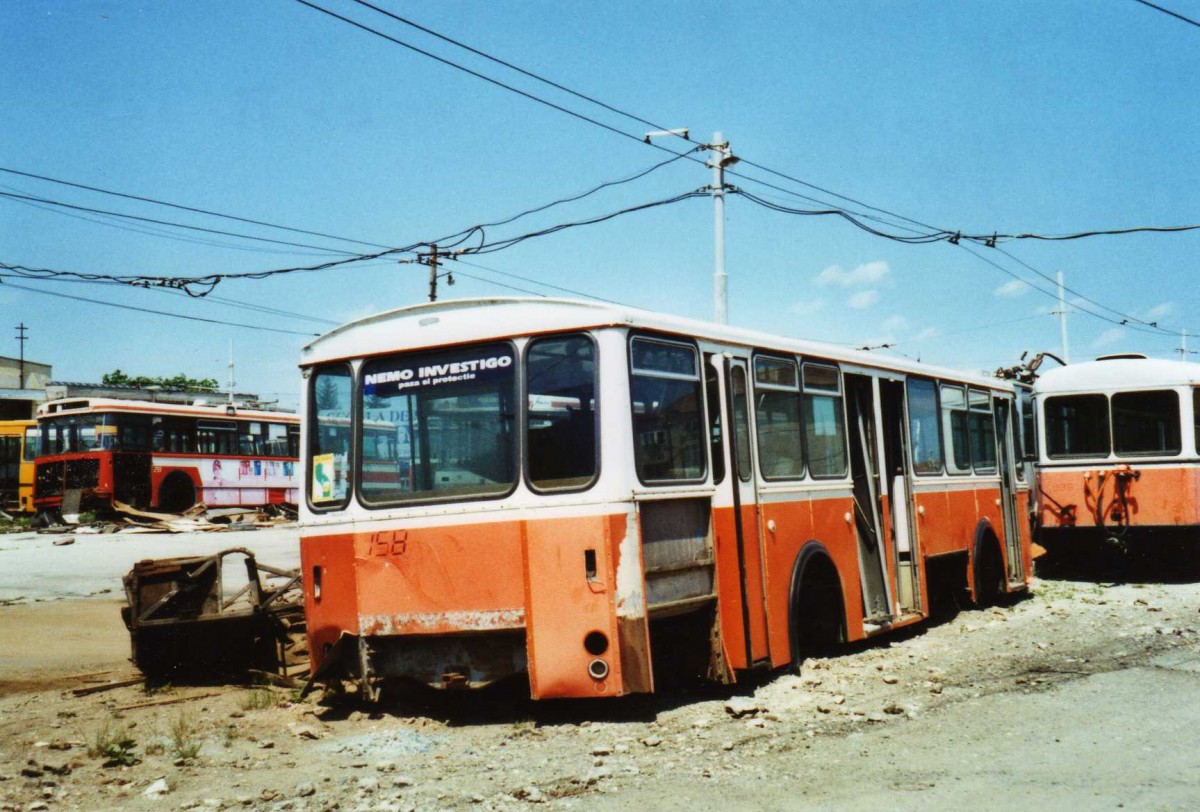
(1084, 695)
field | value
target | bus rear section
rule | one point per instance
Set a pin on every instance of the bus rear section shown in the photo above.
(94, 452)
(612, 499)
(1120, 456)
(18, 450)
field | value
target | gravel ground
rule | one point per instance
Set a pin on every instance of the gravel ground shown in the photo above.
(1083, 695)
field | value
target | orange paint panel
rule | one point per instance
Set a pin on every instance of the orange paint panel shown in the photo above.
(729, 587)
(1160, 496)
(336, 612)
(440, 580)
(564, 605)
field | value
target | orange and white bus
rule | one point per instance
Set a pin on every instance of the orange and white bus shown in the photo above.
(1120, 452)
(164, 456)
(588, 495)
(18, 448)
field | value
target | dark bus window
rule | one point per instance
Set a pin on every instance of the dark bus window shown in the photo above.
(33, 443)
(955, 429)
(777, 418)
(741, 424)
(668, 426)
(1077, 426)
(1146, 423)
(824, 422)
(924, 427)
(981, 428)
(560, 423)
(712, 394)
(330, 436)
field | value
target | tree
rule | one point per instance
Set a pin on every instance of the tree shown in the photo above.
(180, 382)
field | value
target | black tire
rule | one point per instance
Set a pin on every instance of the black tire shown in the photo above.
(176, 494)
(990, 585)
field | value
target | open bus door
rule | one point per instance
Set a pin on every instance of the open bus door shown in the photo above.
(1008, 475)
(746, 514)
(864, 472)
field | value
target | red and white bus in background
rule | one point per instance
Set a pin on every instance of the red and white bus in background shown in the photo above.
(591, 495)
(164, 456)
(1120, 452)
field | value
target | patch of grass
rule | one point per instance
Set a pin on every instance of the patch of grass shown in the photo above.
(114, 744)
(229, 735)
(184, 743)
(259, 699)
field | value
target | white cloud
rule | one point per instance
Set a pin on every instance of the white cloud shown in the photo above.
(1159, 311)
(870, 273)
(894, 323)
(863, 299)
(1012, 289)
(1109, 337)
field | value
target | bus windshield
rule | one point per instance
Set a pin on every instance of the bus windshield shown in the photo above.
(454, 418)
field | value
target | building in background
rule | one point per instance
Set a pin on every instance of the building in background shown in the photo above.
(22, 387)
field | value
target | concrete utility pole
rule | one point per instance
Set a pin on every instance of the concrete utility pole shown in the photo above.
(21, 328)
(722, 157)
(432, 262)
(231, 382)
(1062, 319)
(1183, 350)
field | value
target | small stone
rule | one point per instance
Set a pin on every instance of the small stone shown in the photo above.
(893, 709)
(157, 789)
(305, 790)
(306, 732)
(356, 716)
(838, 699)
(726, 746)
(890, 679)
(740, 706)
(652, 741)
(531, 794)
(368, 783)
(37, 806)
(268, 795)
(245, 800)
(267, 744)
(601, 751)
(876, 716)
(402, 781)
(386, 766)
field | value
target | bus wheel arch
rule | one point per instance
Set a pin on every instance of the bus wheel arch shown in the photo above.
(177, 492)
(988, 583)
(816, 603)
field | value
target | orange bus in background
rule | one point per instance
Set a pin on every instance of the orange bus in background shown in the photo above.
(164, 456)
(592, 497)
(18, 448)
(1120, 453)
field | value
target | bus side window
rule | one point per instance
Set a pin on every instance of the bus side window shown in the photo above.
(777, 409)
(955, 429)
(560, 422)
(924, 427)
(824, 422)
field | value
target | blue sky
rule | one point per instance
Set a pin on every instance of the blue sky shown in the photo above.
(981, 117)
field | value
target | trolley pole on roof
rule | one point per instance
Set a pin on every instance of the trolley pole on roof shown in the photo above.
(722, 157)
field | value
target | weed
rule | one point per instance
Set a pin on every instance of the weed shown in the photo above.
(229, 735)
(114, 744)
(184, 743)
(259, 699)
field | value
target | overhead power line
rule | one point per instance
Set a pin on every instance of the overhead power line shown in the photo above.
(182, 207)
(1177, 16)
(90, 300)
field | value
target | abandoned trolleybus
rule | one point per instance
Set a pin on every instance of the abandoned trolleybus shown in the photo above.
(164, 456)
(588, 494)
(1120, 452)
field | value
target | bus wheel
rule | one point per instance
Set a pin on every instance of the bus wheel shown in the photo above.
(990, 588)
(177, 493)
(818, 612)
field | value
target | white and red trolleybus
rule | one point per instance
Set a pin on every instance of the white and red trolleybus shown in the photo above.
(1120, 452)
(584, 494)
(164, 456)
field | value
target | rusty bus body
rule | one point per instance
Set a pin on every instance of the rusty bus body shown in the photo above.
(567, 500)
(1120, 452)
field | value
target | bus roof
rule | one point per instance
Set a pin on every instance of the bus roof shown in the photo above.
(88, 405)
(437, 324)
(1116, 374)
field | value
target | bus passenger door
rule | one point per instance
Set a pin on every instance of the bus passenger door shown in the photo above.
(1008, 476)
(751, 567)
(860, 405)
(898, 474)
